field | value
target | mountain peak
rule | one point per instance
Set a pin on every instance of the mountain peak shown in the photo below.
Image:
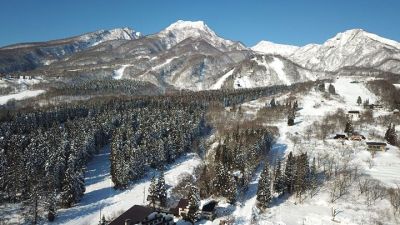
(181, 24)
(268, 47)
(100, 36)
(182, 30)
(360, 34)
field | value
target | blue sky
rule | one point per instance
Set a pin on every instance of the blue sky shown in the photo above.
(296, 22)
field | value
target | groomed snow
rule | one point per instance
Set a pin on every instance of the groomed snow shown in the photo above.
(221, 80)
(119, 72)
(21, 95)
(100, 194)
(278, 66)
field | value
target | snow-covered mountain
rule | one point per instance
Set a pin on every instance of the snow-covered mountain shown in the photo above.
(182, 30)
(189, 55)
(28, 56)
(351, 49)
(268, 47)
(101, 36)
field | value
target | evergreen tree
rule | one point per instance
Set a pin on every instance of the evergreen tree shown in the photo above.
(359, 100)
(194, 203)
(321, 87)
(272, 103)
(51, 206)
(264, 189)
(313, 176)
(162, 190)
(331, 89)
(73, 187)
(153, 194)
(103, 221)
(289, 173)
(302, 174)
(291, 117)
(366, 103)
(224, 183)
(279, 181)
(349, 128)
(295, 106)
(391, 135)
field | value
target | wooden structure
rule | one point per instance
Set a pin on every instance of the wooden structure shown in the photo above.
(182, 209)
(375, 106)
(141, 215)
(376, 146)
(357, 137)
(353, 114)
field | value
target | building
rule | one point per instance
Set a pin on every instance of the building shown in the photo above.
(208, 210)
(353, 114)
(182, 209)
(357, 137)
(340, 137)
(141, 215)
(375, 106)
(376, 146)
(396, 112)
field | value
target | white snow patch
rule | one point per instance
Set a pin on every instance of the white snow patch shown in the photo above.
(278, 66)
(386, 167)
(21, 95)
(119, 72)
(221, 80)
(268, 47)
(159, 66)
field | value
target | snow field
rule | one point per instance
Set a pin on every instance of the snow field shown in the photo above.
(21, 95)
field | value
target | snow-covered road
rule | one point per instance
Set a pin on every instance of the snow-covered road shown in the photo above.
(100, 194)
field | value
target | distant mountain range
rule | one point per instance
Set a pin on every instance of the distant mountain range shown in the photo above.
(189, 55)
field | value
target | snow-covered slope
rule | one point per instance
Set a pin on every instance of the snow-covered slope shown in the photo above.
(29, 56)
(273, 48)
(101, 36)
(182, 30)
(351, 49)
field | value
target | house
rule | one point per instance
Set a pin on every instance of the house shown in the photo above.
(375, 106)
(357, 137)
(141, 215)
(376, 146)
(353, 114)
(182, 209)
(208, 210)
(340, 137)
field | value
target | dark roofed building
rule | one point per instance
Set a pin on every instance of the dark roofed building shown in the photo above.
(340, 137)
(208, 210)
(182, 208)
(144, 216)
